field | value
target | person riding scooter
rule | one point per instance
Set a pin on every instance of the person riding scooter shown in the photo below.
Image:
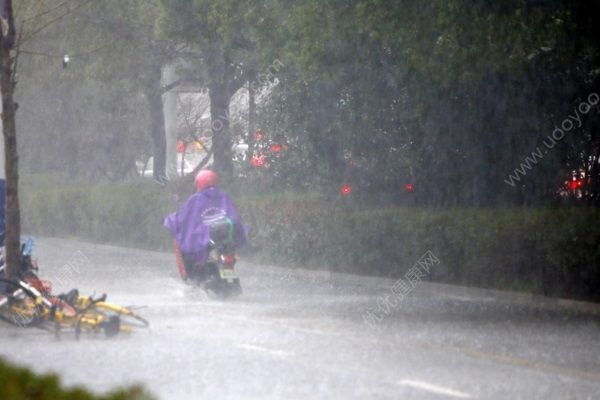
(191, 225)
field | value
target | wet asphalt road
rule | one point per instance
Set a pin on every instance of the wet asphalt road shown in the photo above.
(302, 335)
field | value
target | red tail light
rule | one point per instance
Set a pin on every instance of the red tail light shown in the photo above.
(228, 259)
(346, 190)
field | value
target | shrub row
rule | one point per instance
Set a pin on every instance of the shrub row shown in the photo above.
(547, 251)
(129, 215)
(22, 384)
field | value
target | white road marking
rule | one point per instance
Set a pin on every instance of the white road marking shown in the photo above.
(435, 389)
(468, 298)
(260, 349)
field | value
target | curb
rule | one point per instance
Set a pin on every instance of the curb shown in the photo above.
(516, 298)
(504, 296)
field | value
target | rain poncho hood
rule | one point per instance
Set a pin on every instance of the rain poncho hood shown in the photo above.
(190, 225)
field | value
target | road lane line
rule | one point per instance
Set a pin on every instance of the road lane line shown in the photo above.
(469, 352)
(517, 361)
(278, 323)
(260, 349)
(435, 389)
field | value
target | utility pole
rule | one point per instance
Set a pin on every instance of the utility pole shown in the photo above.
(9, 109)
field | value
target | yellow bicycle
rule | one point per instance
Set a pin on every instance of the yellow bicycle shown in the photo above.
(98, 315)
(26, 305)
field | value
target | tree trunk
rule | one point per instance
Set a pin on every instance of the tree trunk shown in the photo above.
(219, 115)
(158, 134)
(9, 109)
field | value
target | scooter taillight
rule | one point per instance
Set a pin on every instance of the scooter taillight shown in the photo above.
(228, 259)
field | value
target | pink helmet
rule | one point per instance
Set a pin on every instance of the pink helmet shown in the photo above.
(206, 178)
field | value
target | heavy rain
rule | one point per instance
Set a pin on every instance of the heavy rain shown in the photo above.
(311, 199)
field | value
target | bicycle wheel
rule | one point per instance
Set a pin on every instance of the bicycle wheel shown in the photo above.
(133, 321)
(126, 315)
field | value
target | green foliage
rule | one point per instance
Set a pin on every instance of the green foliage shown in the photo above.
(219, 29)
(449, 95)
(22, 384)
(547, 251)
(540, 250)
(128, 213)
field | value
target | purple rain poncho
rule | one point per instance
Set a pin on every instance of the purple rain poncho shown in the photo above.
(190, 225)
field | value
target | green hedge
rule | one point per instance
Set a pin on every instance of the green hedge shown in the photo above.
(554, 252)
(548, 251)
(22, 384)
(126, 214)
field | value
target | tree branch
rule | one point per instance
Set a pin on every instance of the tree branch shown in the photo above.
(52, 21)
